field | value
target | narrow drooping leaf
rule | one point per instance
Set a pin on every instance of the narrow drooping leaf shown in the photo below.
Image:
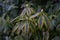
(46, 21)
(40, 22)
(26, 27)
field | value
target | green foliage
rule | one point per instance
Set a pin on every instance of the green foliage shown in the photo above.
(34, 22)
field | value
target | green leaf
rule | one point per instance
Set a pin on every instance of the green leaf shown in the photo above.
(32, 26)
(26, 29)
(2, 24)
(40, 22)
(18, 26)
(46, 21)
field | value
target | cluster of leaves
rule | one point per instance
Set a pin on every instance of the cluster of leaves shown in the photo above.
(34, 23)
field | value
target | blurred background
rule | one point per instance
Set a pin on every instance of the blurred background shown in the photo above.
(14, 24)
